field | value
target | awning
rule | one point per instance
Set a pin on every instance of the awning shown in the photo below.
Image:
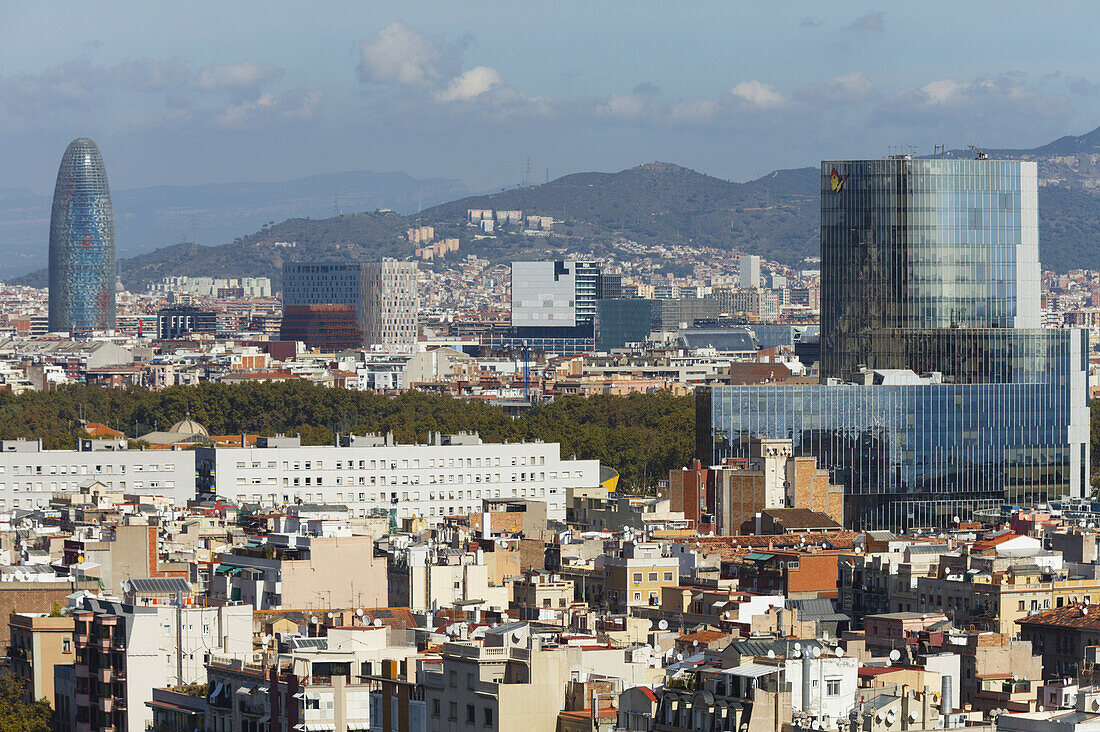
(217, 690)
(246, 690)
(758, 557)
(265, 718)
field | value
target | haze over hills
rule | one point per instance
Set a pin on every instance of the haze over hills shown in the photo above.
(775, 216)
(147, 219)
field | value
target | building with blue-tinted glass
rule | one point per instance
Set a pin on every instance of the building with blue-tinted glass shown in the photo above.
(82, 243)
(940, 393)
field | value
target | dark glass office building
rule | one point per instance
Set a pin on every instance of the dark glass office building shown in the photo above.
(82, 243)
(622, 321)
(923, 244)
(940, 394)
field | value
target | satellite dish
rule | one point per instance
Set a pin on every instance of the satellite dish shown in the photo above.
(359, 612)
(771, 653)
(663, 625)
(377, 622)
(679, 657)
(797, 647)
(816, 651)
(695, 643)
(957, 519)
(839, 652)
(314, 619)
(815, 724)
(330, 615)
(895, 655)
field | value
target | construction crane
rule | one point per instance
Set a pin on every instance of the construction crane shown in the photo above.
(978, 154)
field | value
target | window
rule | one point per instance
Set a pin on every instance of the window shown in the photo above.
(470, 682)
(453, 709)
(637, 577)
(652, 576)
(66, 645)
(832, 687)
(668, 576)
(488, 717)
(435, 707)
(471, 718)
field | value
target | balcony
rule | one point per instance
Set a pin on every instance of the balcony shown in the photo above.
(80, 671)
(82, 699)
(103, 644)
(104, 675)
(81, 639)
(83, 727)
(106, 704)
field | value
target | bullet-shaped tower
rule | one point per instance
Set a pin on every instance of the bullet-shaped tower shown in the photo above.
(82, 243)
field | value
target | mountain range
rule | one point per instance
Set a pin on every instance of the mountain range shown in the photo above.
(150, 218)
(775, 216)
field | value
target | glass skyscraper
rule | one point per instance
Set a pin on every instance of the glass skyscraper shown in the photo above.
(923, 244)
(82, 243)
(940, 394)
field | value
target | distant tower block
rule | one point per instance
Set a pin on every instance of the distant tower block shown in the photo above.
(82, 243)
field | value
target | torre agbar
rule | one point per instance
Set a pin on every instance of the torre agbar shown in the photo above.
(82, 243)
(939, 395)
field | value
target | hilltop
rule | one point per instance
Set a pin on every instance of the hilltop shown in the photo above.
(148, 219)
(775, 216)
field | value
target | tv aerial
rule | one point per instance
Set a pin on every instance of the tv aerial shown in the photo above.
(978, 154)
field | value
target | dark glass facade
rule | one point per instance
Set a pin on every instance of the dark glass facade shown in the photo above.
(924, 244)
(940, 394)
(619, 322)
(82, 243)
(916, 454)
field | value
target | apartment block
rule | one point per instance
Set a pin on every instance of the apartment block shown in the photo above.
(123, 652)
(38, 643)
(30, 475)
(370, 474)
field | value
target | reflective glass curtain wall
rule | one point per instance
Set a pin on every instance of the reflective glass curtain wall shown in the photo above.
(924, 244)
(82, 243)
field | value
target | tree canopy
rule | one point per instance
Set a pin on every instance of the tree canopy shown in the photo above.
(15, 714)
(642, 436)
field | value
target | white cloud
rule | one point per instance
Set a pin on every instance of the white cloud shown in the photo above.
(243, 75)
(758, 94)
(398, 54)
(622, 106)
(298, 104)
(470, 84)
(942, 91)
(841, 89)
(701, 110)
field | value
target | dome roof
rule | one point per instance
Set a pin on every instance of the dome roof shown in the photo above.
(188, 426)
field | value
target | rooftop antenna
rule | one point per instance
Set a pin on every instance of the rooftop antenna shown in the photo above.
(939, 151)
(194, 229)
(527, 179)
(978, 154)
(336, 205)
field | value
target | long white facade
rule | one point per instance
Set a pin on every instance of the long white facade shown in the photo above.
(429, 481)
(29, 475)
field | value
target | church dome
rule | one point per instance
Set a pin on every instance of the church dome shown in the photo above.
(188, 426)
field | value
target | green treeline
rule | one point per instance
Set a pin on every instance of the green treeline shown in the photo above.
(642, 436)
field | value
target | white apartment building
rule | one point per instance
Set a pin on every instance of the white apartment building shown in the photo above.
(392, 304)
(450, 476)
(125, 651)
(29, 475)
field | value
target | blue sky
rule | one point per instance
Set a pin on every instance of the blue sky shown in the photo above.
(198, 92)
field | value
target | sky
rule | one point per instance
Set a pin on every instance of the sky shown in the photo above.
(204, 92)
